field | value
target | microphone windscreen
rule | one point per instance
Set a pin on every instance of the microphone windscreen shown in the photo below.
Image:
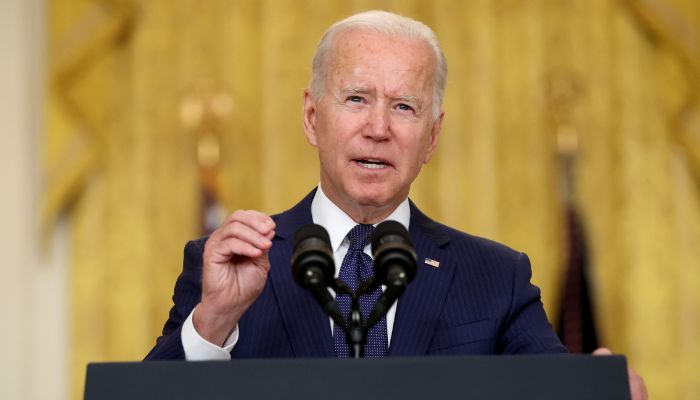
(389, 231)
(312, 250)
(391, 248)
(309, 231)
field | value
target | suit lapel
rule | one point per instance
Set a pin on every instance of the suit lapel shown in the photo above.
(420, 306)
(307, 326)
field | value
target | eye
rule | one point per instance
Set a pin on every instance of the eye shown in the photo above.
(404, 107)
(355, 99)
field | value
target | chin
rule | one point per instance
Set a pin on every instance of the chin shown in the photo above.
(368, 196)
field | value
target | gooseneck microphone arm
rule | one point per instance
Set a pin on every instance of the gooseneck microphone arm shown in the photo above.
(393, 290)
(314, 282)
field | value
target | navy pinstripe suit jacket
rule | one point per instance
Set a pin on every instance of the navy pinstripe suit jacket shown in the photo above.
(478, 301)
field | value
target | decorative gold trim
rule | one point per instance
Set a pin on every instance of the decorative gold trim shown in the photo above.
(672, 29)
(104, 22)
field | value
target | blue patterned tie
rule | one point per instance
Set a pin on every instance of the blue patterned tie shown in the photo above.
(357, 268)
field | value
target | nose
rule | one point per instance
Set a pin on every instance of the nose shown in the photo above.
(378, 125)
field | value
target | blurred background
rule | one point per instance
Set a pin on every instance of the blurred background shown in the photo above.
(572, 133)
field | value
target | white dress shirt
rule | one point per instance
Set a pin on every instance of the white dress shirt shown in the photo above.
(325, 213)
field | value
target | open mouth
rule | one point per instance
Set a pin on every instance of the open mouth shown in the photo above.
(371, 163)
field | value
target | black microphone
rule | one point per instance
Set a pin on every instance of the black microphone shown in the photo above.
(312, 260)
(394, 265)
(394, 258)
(313, 267)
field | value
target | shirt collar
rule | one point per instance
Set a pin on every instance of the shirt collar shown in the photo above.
(325, 213)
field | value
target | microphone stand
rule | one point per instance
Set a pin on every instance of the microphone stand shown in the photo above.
(355, 332)
(355, 329)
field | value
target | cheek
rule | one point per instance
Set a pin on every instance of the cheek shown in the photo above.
(414, 149)
(338, 133)
(329, 150)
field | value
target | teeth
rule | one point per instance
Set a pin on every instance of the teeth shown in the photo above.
(371, 164)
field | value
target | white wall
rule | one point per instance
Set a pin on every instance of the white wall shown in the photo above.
(33, 287)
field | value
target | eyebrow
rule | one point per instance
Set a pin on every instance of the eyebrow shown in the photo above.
(355, 89)
(360, 89)
(408, 99)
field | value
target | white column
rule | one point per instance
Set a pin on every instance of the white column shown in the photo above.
(33, 287)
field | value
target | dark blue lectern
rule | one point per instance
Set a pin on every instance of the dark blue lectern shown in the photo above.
(489, 377)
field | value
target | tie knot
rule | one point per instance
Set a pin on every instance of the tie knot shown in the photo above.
(359, 236)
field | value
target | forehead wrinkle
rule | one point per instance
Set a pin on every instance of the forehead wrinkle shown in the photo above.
(350, 75)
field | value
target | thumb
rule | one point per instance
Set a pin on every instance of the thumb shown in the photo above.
(602, 351)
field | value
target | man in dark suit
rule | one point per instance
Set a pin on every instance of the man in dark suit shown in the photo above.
(478, 300)
(373, 111)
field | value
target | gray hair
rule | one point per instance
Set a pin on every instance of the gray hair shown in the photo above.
(385, 23)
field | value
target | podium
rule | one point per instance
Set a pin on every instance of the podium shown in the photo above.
(570, 377)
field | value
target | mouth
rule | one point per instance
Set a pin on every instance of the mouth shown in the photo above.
(371, 163)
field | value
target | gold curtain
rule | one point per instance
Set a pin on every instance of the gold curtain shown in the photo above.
(130, 80)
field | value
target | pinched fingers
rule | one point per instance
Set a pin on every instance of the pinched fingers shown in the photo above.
(244, 233)
(239, 231)
(257, 221)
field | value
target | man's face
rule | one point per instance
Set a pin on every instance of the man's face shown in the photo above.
(374, 126)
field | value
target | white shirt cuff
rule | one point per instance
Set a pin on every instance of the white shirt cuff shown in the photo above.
(199, 349)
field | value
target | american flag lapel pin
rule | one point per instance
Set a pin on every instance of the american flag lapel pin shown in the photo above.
(432, 263)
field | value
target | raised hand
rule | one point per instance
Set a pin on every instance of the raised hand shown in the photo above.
(235, 267)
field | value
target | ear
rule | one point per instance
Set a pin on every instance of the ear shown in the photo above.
(434, 136)
(309, 116)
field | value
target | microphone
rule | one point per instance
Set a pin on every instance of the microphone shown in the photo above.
(313, 267)
(312, 260)
(394, 265)
(394, 258)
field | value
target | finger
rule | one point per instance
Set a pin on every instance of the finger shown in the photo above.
(243, 225)
(602, 351)
(254, 219)
(638, 389)
(226, 249)
(268, 222)
(238, 230)
(223, 250)
(262, 214)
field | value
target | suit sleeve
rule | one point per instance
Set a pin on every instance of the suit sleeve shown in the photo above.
(526, 328)
(188, 292)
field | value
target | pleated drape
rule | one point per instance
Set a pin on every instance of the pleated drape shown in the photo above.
(142, 93)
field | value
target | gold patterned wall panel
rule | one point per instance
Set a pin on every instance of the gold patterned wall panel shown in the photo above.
(147, 80)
